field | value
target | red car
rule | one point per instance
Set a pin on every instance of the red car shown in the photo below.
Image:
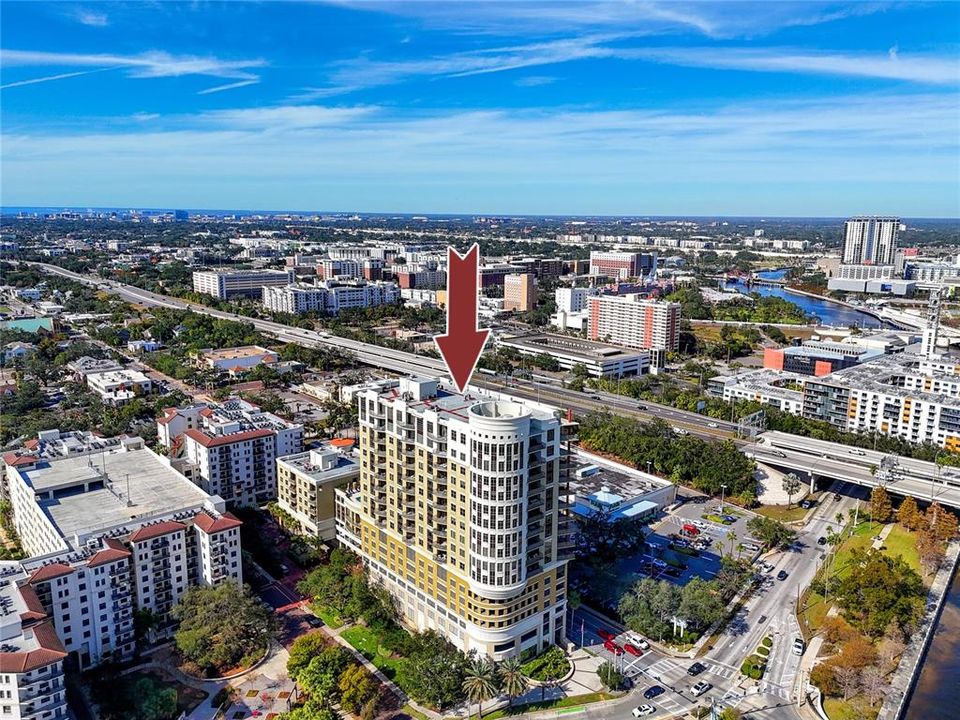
(606, 634)
(611, 646)
(633, 649)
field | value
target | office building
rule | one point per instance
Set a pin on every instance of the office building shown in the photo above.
(330, 296)
(118, 387)
(496, 274)
(520, 292)
(770, 387)
(635, 321)
(817, 358)
(870, 240)
(109, 534)
(458, 513)
(306, 485)
(599, 359)
(572, 308)
(229, 449)
(227, 284)
(622, 265)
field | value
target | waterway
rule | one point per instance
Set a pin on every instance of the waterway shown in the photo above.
(826, 312)
(937, 694)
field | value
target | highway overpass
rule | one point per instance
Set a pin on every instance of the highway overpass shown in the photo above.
(817, 459)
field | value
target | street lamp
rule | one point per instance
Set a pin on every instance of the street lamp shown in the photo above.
(649, 464)
(723, 489)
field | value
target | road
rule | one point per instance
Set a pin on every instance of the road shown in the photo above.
(407, 363)
(806, 456)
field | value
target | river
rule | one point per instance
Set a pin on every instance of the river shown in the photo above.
(937, 694)
(826, 312)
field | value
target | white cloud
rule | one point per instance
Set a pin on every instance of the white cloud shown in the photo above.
(534, 80)
(49, 78)
(152, 64)
(88, 17)
(229, 86)
(284, 117)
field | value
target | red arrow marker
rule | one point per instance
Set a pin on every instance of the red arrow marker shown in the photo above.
(463, 342)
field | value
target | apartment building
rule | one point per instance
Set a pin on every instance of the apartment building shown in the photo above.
(902, 395)
(520, 292)
(572, 308)
(634, 321)
(458, 513)
(31, 655)
(622, 264)
(306, 485)
(330, 296)
(112, 533)
(421, 278)
(118, 387)
(227, 284)
(770, 387)
(229, 449)
(870, 240)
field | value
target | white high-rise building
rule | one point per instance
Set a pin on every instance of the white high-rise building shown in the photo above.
(330, 296)
(635, 321)
(870, 240)
(226, 284)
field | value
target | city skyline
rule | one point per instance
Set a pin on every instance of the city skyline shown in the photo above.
(782, 109)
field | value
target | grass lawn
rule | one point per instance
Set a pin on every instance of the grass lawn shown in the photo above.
(329, 617)
(782, 513)
(903, 542)
(413, 712)
(368, 643)
(815, 610)
(565, 702)
(717, 519)
(838, 709)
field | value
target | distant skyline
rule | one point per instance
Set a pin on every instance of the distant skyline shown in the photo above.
(778, 109)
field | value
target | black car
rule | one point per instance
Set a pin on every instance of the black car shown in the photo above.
(641, 407)
(696, 669)
(782, 575)
(313, 621)
(821, 540)
(652, 692)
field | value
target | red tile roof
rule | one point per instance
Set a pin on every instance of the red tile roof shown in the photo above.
(156, 530)
(113, 551)
(48, 572)
(217, 440)
(206, 412)
(32, 444)
(16, 458)
(209, 525)
(50, 651)
(35, 610)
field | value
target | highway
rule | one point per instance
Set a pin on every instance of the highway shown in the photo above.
(409, 363)
(806, 456)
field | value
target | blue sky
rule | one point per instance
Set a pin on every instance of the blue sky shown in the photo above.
(769, 108)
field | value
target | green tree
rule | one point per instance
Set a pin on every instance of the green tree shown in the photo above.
(357, 687)
(304, 649)
(152, 700)
(222, 626)
(321, 678)
(881, 509)
(700, 606)
(791, 486)
(611, 678)
(479, 682)
(433, 671)
(908, 514)
(772, 533)
(513, 682)
(878, 590)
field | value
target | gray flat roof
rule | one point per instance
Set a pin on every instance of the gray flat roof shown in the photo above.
(139, 484)
(575, 347)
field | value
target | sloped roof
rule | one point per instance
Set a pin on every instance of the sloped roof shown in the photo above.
(49, 572)
(156, 530)
(211, 525)
(49, 651)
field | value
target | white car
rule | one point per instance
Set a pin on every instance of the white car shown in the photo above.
(712, 425)
(679, 430)
(643, 710)
(798, 646)
(640, 642)
(700, 688)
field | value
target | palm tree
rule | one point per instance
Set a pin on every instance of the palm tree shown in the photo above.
(479, 682)
(512, 680)
(839, 516)
(731, 536)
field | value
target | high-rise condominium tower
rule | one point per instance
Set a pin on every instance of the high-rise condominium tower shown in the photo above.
(870, 240)
(458, 513)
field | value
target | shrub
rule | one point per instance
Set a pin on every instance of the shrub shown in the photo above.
(763, 651)
(767, 642)
(549, 665)
(610, 676)
(753, 667)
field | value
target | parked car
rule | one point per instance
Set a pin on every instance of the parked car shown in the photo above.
(821, 540)
(700, 688)
(798, 646)
(696, 669)
(313, 621)
(782, 575)
(605, 634)
(806, 504)
(651, 692)
(643, 711)
(611, 646)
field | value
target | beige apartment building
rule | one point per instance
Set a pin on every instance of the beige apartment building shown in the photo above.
(520, 292)
(458, 513)
(306, 485)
